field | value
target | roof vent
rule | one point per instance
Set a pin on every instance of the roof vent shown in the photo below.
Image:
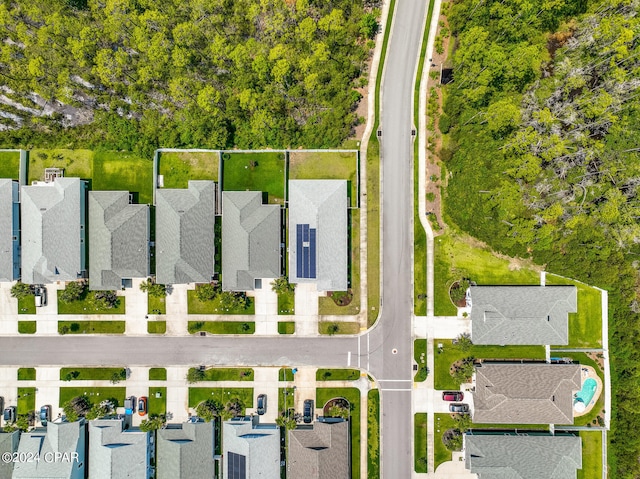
(180, 211)
(548, 318)
(43, 209)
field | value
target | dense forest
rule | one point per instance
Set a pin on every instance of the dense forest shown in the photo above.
(138, 74)
(543, 157)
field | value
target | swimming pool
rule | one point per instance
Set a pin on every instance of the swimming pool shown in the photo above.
(588, 390)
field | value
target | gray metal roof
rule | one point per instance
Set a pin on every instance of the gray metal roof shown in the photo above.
(321, 452)
(8, 443)
(52, 215)
(9, 230)
(186, 451)
(118, 239)
(185, 233)
(250, 240)
(522, 314)
(63, 437)
(322, 204)
(523, 457)
(537, 393)
(114, 452)
(258, 443)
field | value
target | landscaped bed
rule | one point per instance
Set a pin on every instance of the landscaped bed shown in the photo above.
(27, 327)
(95, 394)
(373, 433)
(227, 374)
(91, 327)
(222, 327)
(259, 171)
(87, 305)
(195, 306)
(178, 168)
(96, 374)
(337, 374)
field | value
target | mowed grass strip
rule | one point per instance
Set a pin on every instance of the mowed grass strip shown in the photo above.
(286, 327)
(26, 400)
(156, 305)
(373, 434)
(27, 305)
(91, 327)
(337, 374)
(260, 171)
(95, 394)
(157, 405)
(178, 168)
(227, 374)
(157, 374)
(591, 455)
(195, 306)
(87, 305)
(420, 441)
(222, 327)
(197, 395)
(27, 327)
(157, 327)
(82, 374)
(331, 328)
(442, 423)
(420, 356)
(286, 303)
(26, 374)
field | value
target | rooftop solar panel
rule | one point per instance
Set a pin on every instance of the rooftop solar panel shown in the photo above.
(299, 251)
(236, 466)
(312, 253)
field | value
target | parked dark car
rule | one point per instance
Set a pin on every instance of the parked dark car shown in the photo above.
(452, 396)
(262, 404)
(142, 405)
(10, 415)
(459, 408)
(307, 416)
(45, 414)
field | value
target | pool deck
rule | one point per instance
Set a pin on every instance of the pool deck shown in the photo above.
(590, 372)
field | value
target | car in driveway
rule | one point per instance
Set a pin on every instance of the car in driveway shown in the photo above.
(41, 296)
(129, 405)
(45, 414)
(460, 408)
(262, 404)
(142, 405)
(307, 415)
(452, 396)
(9, 415)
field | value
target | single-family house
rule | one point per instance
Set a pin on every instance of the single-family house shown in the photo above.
(320, 451)
(8, 445)
(318, 233)
(186, 450)
(250, 450)
(9, 230)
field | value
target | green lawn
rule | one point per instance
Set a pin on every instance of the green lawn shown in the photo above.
(195, 306)
(373, 434)
(286, 302)
(442, 422)
(156, 327)
(180, 167)
(591, 455)
(83, 374)
(286, 327)
(228, 374)
(337, 374)
(10, 164)
(585, 326)
(285, 399)
(222, 327)
(329, 327)
(27, 327)
(420, 355)
(115, 170)
(157, 405)
(285, 374)
(26, 374)
(27, 305)
(91, 327)
(420, 441)
(460, 256)
(86, 306)
(326, 165)
(156, 305)
(255, 172)
(197, 395)
(94, 394)
(26, 400)
(450, 353)
(75, 162)
(353, 396)
(373, 224)
(157, 374)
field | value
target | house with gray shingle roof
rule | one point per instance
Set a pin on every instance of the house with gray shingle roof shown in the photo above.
(59, 437)
(250, 240)
(318, 233)
(186, 451)
(528, 393)
(320, 451)
(9, 230)
(53, 231)
(251, 450)
(511, 456)
(114, 452)
(185, 233)
(521, 314)
(119, 239)
(8, 444)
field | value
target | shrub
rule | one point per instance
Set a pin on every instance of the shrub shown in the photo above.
(73, 291)
(21, 290)
(206, 292)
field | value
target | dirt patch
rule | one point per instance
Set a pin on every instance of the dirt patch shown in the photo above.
(341, 298)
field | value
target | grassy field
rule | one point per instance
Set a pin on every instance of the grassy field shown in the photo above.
(157, 374)
(326, 165)
(420, 441)
(26, 374)
(591, 455)
(286, 327)
(10, 164)
(27, 327)
(83, 374)
(443, 422)
(285, 374)
(337, 374)
(27, 305)
(285, 399)
(180, 167)
(26, 400)
(330, 328)
(353, 396)
(373, 434)
(459, 256)
(156, 327)
(420, 355)
(115, 170)
(91, 327)
(88, 306)
(75, 163)
(286, 303)
(228, 374)
(255, 172)
(156, 305)
(585, 326)
(197, 395)
(195, 306)
(222, 327)
(95, 395)
(157, 405)
(451, 353)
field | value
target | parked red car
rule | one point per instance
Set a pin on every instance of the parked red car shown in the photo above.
(142, 405)
(452, 396)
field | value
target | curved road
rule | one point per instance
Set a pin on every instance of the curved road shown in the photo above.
(385, 351)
